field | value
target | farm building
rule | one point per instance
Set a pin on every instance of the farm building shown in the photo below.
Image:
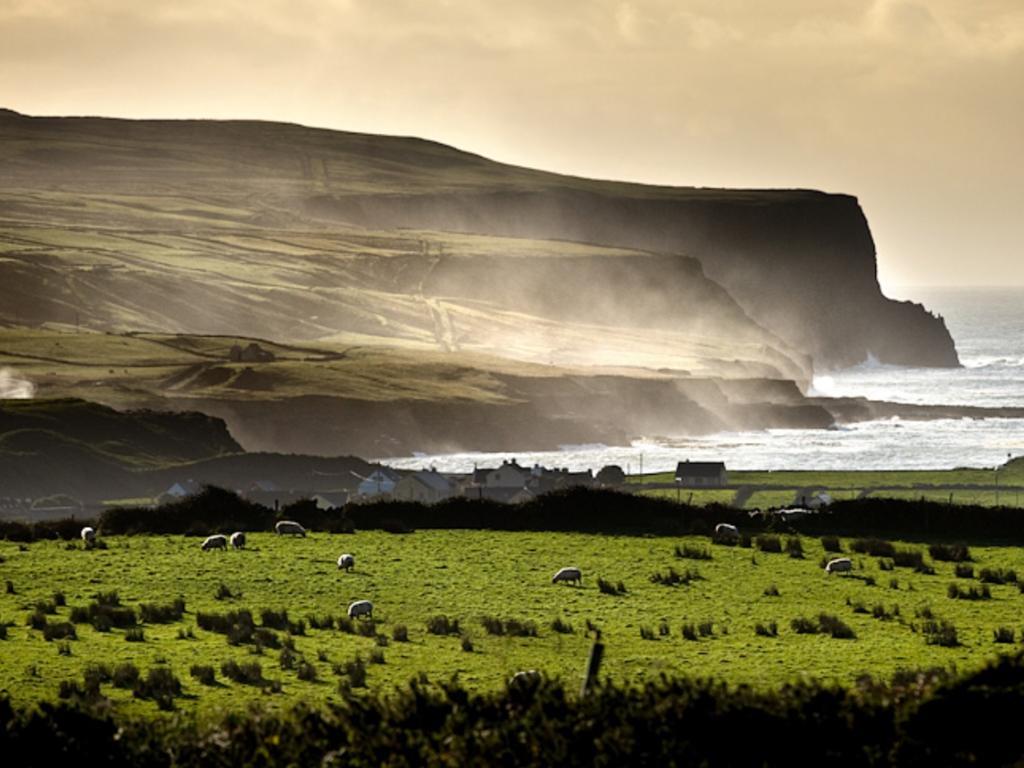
(701, 474)
(380, 482)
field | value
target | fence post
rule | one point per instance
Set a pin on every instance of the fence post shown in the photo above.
(593, 664)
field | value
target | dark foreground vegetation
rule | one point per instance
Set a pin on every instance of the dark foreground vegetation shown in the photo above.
(915, 719)
(574, 510)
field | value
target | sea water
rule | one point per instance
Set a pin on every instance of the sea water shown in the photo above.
(988, 328)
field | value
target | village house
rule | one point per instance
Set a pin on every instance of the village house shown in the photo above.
(426, 486)
(701, 474)
(380, 482)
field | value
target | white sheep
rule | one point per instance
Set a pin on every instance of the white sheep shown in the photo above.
(360, 608)
(839, 565)
(346, 561)
(284, 527)
(525, 678)
(217, 541)
(726, 531)
(572, 575)
(89, 535)
(238, 540)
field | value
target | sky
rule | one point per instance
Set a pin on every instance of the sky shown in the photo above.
(914, 107)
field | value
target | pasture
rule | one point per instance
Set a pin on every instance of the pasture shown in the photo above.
(705, 625)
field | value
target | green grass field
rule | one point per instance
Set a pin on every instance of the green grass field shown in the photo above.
(472, 575)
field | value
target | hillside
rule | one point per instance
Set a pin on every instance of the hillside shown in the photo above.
(287, 232)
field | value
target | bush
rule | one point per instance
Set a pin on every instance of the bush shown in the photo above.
(950, 553)
(59, 599)
(771, 591)
(355, 671)
(804, 626)
(10, 587)
(204, 673)
(1003, 635)
(688, 631)
(706, 629)
(238, 626)
(836, 627)
(346, 625)
(135, 635)
(62, 630)
(287, 658)
(646, 633)
(224, 593)
(323, 622)
(885, 565)
(400, 633)
(161, 685)
(607, 588)
(125, 675)
(250, 673)
(691, 552)
(771, 629)
(442, 625)
(104, 613)
(561, 626)
(768, 542)
(873, 547)
(673, 577)
(997, 576)
(64, 649)
(831, 544)
(972, 593)
(963, 571)
(908, 558)
(306, 672)
(377, 655)
(162, 614)
(795, 547)
(663, 628)
(942, 633)
(274, 619)
(512, 627)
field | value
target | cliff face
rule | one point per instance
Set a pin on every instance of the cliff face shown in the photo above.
(800, 263)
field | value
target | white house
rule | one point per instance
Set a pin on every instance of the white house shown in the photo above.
(380, 482)
(508, 475)
(427, 486)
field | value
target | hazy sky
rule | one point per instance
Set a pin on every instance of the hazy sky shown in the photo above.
(915, 107)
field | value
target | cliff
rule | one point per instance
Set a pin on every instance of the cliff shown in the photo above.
(800, 265)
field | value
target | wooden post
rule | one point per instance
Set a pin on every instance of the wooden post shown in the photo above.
(593, 664)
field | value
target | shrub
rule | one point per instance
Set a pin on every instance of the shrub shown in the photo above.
(355, 670)
(689, 631)
(366, 628)
(346, 625)
(804, 626)
(954, 553)
(672, 578)
(400, 633)
(250, 673)
(885, 565)
(322, 622)
(62, 630)
(381, 640)
(836, 627)
(963, 571)
(942, 633)
(831, 544)
(771, 591)
(64, 649)
(377, 655)
(795, 547)
(3, 630)
(771, 629)
(274, 619)
(306, 671)
(894, 583)
(706, 629)
(10, 587)
(1003, 635)
(908, 558)
(879, 611)
(997, 576)
(873, 547)
(161, 685)
(442, 625)
(646, 633)
(287, 658)
(135, 635)
(204, 673)
(746, 541)
(513, 627)
(162, 614)
(125, 675)
(110, 599)
(972, 593)
(561, 626)
(237, 625)
(692, 552)
(59, 599)
(607, 588)
(767, 542)
(224, 593)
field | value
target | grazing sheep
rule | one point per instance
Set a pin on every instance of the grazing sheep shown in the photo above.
(839, 565)
(346, 561)
(89, 535)
(726, 531)
(572, 575)
(217, 541)
(238, 540)
(284, 527)
(360, 608)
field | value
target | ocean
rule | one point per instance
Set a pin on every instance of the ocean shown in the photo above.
(988, 328)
